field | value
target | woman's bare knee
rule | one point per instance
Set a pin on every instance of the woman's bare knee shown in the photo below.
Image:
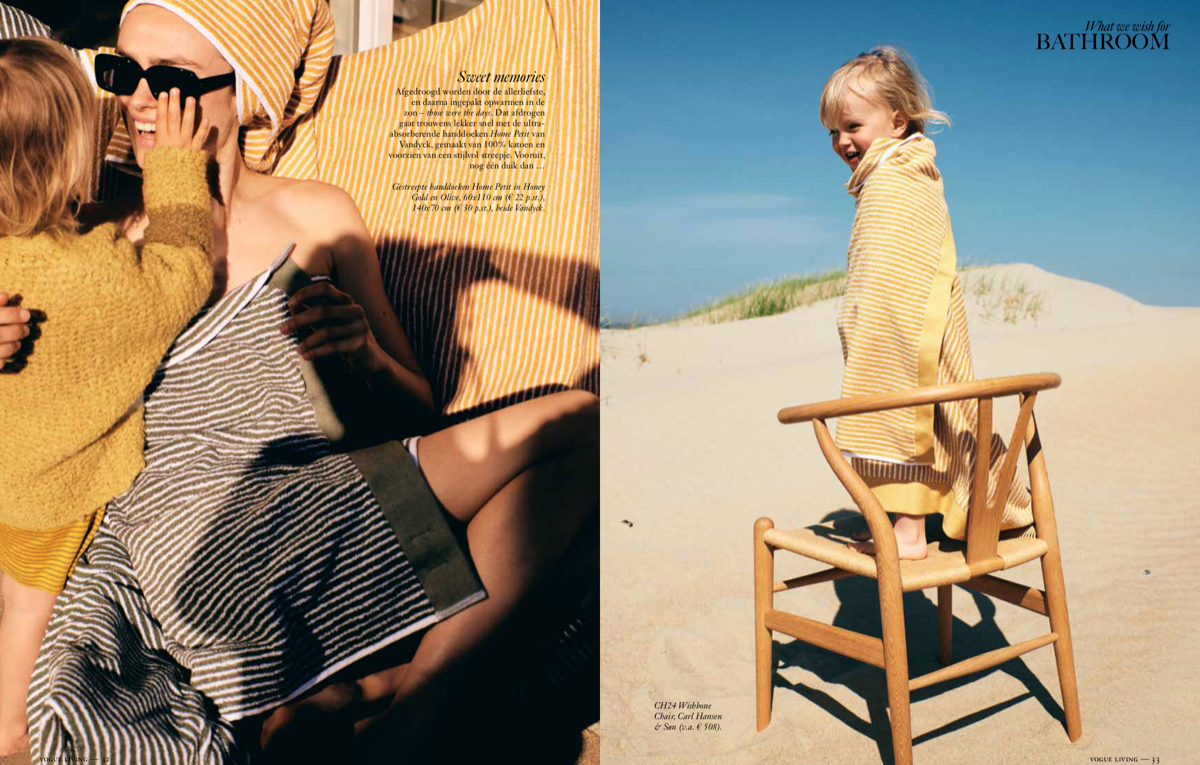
(497, 447)
(572, 421)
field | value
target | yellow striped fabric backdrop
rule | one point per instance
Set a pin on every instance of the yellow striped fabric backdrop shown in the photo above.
(504, 305)
(903, 324)
(500, 306)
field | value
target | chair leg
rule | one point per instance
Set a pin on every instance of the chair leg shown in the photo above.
(895, 663)
(1064, 653)
(945, 595)
(1052, 577)
(764, 598)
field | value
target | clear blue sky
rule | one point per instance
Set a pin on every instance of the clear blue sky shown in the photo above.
(717, 175)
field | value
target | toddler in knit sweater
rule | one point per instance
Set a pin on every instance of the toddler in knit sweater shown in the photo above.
(107, 312)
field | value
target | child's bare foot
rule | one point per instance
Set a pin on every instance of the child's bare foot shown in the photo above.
(904, 551)
(910, 538)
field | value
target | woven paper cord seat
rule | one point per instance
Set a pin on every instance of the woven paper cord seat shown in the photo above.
(946, 563)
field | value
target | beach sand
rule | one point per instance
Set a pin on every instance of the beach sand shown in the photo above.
(693, 454)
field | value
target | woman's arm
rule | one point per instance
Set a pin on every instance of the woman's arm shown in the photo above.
(355, 319)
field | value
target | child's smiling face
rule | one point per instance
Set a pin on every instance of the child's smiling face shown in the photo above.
(859, 122)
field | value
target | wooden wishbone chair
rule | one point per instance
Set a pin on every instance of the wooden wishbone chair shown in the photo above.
(985, 553)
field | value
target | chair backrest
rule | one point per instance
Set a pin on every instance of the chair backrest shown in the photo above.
(983, 516)
(986, 508)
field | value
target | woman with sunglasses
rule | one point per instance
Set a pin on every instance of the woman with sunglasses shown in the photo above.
(242, 458)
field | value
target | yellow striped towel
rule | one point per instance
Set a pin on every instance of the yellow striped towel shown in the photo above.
(903, 324)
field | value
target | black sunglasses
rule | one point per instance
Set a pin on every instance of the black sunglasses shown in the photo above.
(120, 76)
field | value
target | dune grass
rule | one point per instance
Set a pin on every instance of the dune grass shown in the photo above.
(1009, 298)
(770, 298)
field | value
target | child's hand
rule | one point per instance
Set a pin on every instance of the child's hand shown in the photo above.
(175, 129)
(14, 328)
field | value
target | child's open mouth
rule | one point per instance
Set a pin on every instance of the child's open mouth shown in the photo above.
(851, 156)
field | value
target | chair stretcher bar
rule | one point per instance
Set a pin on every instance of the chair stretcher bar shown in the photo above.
(1029, 598)
(981, 662)
(845, 642)
(828, 575)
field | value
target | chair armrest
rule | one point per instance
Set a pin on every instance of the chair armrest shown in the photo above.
(933, 394)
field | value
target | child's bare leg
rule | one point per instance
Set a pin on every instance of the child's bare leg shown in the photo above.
(26, 614)
(910, 538)
(523, 479)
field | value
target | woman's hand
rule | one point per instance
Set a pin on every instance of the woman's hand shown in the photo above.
(356, 319)
(173, 128)
(337, 325)
(14, 327)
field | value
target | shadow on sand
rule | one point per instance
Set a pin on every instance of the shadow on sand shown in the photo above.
(859, 611)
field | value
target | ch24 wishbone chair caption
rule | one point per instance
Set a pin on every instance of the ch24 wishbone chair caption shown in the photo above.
(984, 554)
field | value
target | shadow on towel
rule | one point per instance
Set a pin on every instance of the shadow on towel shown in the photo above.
(427, 285)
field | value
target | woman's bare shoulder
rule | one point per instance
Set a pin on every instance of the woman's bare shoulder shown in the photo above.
(318, 206)
(326, 225)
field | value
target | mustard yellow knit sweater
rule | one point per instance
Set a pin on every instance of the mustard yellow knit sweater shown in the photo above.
(71, 429)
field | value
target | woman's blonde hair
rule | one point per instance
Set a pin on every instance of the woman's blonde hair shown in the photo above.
(47, 111)
(887, 75)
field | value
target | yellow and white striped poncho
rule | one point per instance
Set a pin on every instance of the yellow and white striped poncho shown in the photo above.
(903, 324)
(499, 307)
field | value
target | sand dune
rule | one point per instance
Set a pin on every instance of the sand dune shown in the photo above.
(693, 454)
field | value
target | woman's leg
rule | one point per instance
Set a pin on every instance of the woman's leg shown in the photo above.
(26, 613)
(522, 479)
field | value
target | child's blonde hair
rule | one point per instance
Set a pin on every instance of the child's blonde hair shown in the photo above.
(47, 111)
(883, 74)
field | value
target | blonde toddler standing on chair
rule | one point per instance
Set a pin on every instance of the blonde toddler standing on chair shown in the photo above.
(902, 320)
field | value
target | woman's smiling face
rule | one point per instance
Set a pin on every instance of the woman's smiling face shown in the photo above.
(860, 121)
(151, 35)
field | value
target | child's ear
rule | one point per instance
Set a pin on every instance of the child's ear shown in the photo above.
(899, 124)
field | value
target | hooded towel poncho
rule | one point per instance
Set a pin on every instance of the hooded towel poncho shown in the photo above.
(903, 324)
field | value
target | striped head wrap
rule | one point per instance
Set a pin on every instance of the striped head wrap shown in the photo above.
(280, 66)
